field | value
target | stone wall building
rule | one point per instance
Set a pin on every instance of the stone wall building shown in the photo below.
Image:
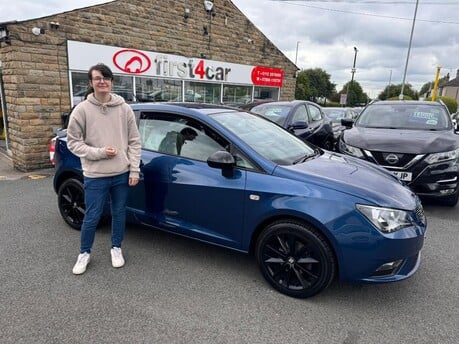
(44, 61)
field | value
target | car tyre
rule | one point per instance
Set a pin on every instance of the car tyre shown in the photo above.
(451, 201)
(295, 258)
(70, 199)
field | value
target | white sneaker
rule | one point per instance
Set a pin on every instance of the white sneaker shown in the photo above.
(81, 264)
(117, 257)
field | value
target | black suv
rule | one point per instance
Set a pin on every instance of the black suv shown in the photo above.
(415, 140)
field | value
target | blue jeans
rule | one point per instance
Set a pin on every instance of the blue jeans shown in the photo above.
(97, 191)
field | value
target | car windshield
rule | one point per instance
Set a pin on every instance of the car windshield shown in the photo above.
(335, 114)
(274, 112)
(404, 116)
(267, 139)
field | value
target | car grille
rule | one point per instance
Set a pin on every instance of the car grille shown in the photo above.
(393, 159)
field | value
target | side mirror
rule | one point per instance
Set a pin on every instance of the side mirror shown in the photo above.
(346, 122)
(298, 125)
(222, 160)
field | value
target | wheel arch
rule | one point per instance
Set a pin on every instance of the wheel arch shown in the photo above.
(316, 225)
(65, 175)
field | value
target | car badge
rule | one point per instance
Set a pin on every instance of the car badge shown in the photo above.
(392, 159)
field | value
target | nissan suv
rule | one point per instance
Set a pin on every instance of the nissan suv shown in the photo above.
(415, 140)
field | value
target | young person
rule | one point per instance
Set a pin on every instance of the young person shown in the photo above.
(103, 133)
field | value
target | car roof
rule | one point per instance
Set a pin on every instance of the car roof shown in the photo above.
(204, 108)
(406, 102)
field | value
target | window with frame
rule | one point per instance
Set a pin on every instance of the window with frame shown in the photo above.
(300, 115)
(176, 135)
(314, 111)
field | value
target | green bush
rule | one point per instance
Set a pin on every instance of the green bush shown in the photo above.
(450, 103)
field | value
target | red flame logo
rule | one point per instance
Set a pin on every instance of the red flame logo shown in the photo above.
(131, 61)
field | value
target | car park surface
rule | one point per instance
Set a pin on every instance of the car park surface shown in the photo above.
(176, 290)
(303, 118)
(249, 185)
(415, 140)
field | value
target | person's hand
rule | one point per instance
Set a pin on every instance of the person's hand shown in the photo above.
(133, 181)
(110, 151)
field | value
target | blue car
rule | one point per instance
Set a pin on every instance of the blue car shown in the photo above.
(244, 183)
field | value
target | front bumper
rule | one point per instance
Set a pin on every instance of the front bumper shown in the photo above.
(437, 180)
(370, 256)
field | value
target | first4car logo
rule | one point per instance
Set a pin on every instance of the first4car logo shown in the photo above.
(137, 62)
(131, 61)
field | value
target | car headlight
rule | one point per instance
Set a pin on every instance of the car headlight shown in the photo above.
(347, 149)
(443, 156)
(387, 220)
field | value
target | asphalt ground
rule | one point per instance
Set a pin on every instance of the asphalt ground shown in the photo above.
(8, 172)
(176, 290)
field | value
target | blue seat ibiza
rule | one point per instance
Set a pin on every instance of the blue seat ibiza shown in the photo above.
(242, 182)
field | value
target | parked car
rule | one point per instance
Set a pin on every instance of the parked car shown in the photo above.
(247, 184)
(303, 118)
(336, 114)
(415, 140)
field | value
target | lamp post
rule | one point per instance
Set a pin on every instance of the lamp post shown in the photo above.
(353, 71)
(296, 55)
(409, 48)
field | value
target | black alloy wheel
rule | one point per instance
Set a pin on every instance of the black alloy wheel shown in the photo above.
(70, 198)
(295, 259)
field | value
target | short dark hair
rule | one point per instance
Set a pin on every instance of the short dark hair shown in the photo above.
(188, 132)
(103, 69)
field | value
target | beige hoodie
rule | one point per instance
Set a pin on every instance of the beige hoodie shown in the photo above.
(94, 126)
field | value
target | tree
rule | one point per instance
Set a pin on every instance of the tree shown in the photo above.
(426, 87)
(355, 94)
(451, 103)
(393, 91)
(312, 84)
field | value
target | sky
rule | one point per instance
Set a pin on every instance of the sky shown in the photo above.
(323, 34)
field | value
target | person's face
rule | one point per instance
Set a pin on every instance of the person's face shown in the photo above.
(100, 83)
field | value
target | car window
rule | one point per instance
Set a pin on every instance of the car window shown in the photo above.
(314, 111)
(264, 137)
(335, 114)
(274, 112)
(405, 116)
(176, 135)
(300, 114)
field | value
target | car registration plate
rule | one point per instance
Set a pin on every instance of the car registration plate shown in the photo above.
(404, 176)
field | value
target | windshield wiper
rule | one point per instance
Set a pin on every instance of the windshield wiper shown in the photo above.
(304, 158)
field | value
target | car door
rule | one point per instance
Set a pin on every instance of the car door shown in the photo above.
(319, 132)
(299, 114)
(183, 194)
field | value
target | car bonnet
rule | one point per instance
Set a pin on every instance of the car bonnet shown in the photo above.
(401, 141)
(352, 176)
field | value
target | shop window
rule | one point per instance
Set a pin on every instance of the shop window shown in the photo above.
(79, 87)
(237, 95)
(158, 90)
(123, 86)
(199, 92)
(266, 93)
